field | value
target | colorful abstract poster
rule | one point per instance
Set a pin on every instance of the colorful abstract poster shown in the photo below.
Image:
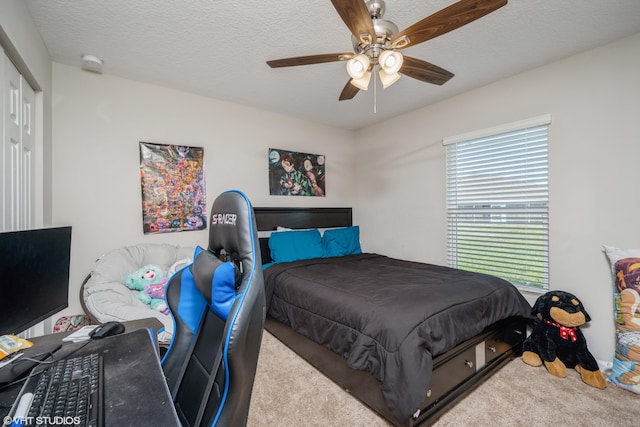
(296, 174)
(173, 190)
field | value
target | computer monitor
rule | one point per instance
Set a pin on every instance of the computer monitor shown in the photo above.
(34, 276)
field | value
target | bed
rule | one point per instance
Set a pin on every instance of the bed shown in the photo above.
(391, 332)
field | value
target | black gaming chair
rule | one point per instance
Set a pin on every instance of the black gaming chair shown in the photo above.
(218, 306)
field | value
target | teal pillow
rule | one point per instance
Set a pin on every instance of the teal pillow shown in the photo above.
(341, 241)
(287, 246)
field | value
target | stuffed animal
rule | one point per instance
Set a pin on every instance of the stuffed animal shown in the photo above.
(557, 340)
(151, 284)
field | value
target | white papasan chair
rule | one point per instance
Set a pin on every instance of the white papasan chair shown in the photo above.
(105, 297)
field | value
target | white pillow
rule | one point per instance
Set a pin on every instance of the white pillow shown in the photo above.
(321, 230)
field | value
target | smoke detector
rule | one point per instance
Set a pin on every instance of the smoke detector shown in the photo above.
(92, 63)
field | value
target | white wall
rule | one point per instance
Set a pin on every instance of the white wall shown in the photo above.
(594, 150)
(99, 121)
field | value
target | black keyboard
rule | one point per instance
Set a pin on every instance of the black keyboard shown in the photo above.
(68, 392)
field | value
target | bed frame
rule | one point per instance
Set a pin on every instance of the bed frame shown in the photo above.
(455, 373)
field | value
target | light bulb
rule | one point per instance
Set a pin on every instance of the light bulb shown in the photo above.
(358, 66)
(390, 61)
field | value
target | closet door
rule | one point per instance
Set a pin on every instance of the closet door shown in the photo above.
(18, 148)
(10, 144)
(27, 170)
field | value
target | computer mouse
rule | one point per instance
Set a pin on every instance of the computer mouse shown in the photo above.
(106, 330)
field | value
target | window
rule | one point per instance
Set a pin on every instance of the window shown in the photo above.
(498, 202)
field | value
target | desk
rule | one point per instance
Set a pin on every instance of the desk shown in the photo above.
(135, 390)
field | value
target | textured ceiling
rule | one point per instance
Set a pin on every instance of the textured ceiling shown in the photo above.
(218, 49)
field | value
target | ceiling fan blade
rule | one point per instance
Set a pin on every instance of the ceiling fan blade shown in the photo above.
(356, 16)
(348, 92)
(447, 19)
(311, 59)
(425, 71)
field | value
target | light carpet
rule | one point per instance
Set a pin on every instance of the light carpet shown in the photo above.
(290, 392)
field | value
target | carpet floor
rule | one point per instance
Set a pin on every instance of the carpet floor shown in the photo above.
(290, 392)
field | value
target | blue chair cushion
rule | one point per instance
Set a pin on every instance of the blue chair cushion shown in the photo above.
(216, 280)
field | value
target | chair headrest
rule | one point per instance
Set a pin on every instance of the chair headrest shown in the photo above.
(223, 270)
(232, 227)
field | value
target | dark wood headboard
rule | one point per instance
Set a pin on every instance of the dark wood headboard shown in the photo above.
(268, 219)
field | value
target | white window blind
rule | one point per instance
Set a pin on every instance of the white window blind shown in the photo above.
(497, 203)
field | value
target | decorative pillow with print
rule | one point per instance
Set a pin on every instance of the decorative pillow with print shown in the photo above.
(625, 265)
(627, 293)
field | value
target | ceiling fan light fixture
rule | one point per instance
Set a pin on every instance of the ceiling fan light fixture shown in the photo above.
(358, 66)
(388, 79)
(376, 42)
(390, 61)
(363, 82)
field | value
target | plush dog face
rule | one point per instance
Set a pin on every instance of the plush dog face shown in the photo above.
(561, 307)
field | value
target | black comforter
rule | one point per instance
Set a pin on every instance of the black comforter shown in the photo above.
(387, 316)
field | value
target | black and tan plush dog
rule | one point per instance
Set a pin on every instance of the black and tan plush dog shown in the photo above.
(557, 340)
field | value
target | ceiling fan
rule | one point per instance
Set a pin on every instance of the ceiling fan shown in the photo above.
(377, 42)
